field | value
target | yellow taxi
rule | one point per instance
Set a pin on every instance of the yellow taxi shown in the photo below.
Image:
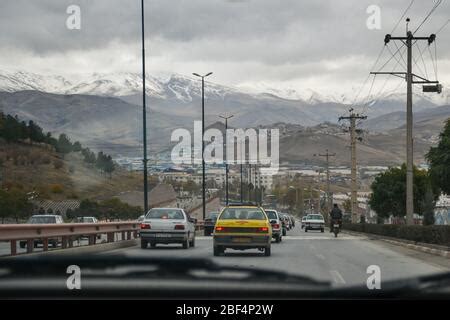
(242, 227)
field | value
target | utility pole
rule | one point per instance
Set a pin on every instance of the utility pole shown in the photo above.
(226, 160)
(242, 153)
(410, 80)
(327, 156)
(249, 182)
(242, 186)
(144, 113)
(354, 185)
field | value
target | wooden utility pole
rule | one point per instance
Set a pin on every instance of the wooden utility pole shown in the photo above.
(409, 77)
(354, 185)
(327, 156)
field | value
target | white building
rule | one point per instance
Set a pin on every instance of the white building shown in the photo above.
(218, 175)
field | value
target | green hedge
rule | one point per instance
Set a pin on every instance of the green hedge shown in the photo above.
(439, 235)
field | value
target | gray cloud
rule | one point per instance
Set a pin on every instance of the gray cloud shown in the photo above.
(301, 38)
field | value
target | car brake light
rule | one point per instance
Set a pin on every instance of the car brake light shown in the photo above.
(179, 227)
(263, 229)
(220, 229)
(276, 226)
(145, 226)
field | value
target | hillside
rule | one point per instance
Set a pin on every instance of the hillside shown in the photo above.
(37, 168)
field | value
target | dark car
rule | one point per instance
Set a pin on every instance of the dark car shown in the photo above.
(43, 219)
(210, 222)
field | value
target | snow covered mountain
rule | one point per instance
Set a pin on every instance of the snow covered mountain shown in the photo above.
(111, 84)
(186, 89)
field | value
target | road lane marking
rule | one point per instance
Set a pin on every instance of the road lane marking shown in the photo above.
(320, 238)
(337, 277)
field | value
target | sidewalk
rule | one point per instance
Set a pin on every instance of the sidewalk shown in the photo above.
(442, 251)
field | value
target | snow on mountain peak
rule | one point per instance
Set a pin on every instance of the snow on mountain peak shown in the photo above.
(176, 86)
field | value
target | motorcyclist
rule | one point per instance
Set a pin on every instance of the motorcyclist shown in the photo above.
(335, 215)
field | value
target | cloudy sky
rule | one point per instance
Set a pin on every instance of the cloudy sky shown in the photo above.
(279, 43)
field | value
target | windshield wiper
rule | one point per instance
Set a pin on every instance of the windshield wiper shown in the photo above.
(119, 266)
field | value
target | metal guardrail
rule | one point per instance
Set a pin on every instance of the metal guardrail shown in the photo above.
(67, 233)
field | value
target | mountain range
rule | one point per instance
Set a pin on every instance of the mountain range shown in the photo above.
(104, 110)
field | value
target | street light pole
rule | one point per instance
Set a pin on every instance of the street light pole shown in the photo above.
(226, 159)
(203, 142)
(144, 113)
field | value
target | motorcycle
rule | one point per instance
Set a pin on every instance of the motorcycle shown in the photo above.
(336, 227)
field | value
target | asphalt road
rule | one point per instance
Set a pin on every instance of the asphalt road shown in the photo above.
(342, 261)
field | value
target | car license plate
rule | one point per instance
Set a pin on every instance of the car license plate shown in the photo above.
(241, 240)
(336, 226)
(163, 235)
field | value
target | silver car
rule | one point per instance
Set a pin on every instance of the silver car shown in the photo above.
(166, 226)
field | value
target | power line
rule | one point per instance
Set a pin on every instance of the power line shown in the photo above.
(368, 77)
(380, 53)
(403, 15)
(423, 61)
(366, 104)
(443, 26)
(396, 59)
(389, 60)
(437, 4)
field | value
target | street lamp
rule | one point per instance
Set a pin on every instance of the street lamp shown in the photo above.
(144, 112)
(203, 141)
(226, 159)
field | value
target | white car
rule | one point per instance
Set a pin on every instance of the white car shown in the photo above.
(275, 221)
(166, 226)
(86, 220)
(314, 222)
(303, 221)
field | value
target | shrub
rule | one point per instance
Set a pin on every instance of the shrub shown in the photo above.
(58, 164)
(73, 195)
(56, 188)
(46, 160)
(439, 235)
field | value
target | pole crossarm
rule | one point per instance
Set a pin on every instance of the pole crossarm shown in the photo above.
(402, 74)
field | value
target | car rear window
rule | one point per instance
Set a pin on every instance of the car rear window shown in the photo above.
(38, 220)
(243, 214)
(213, 216)
(165, 214)
(271, 214)
(315, 217)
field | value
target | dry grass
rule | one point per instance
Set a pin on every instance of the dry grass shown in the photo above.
(33, 168)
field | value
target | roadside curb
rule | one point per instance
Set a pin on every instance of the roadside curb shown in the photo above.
(422, 247)
(97, 248)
